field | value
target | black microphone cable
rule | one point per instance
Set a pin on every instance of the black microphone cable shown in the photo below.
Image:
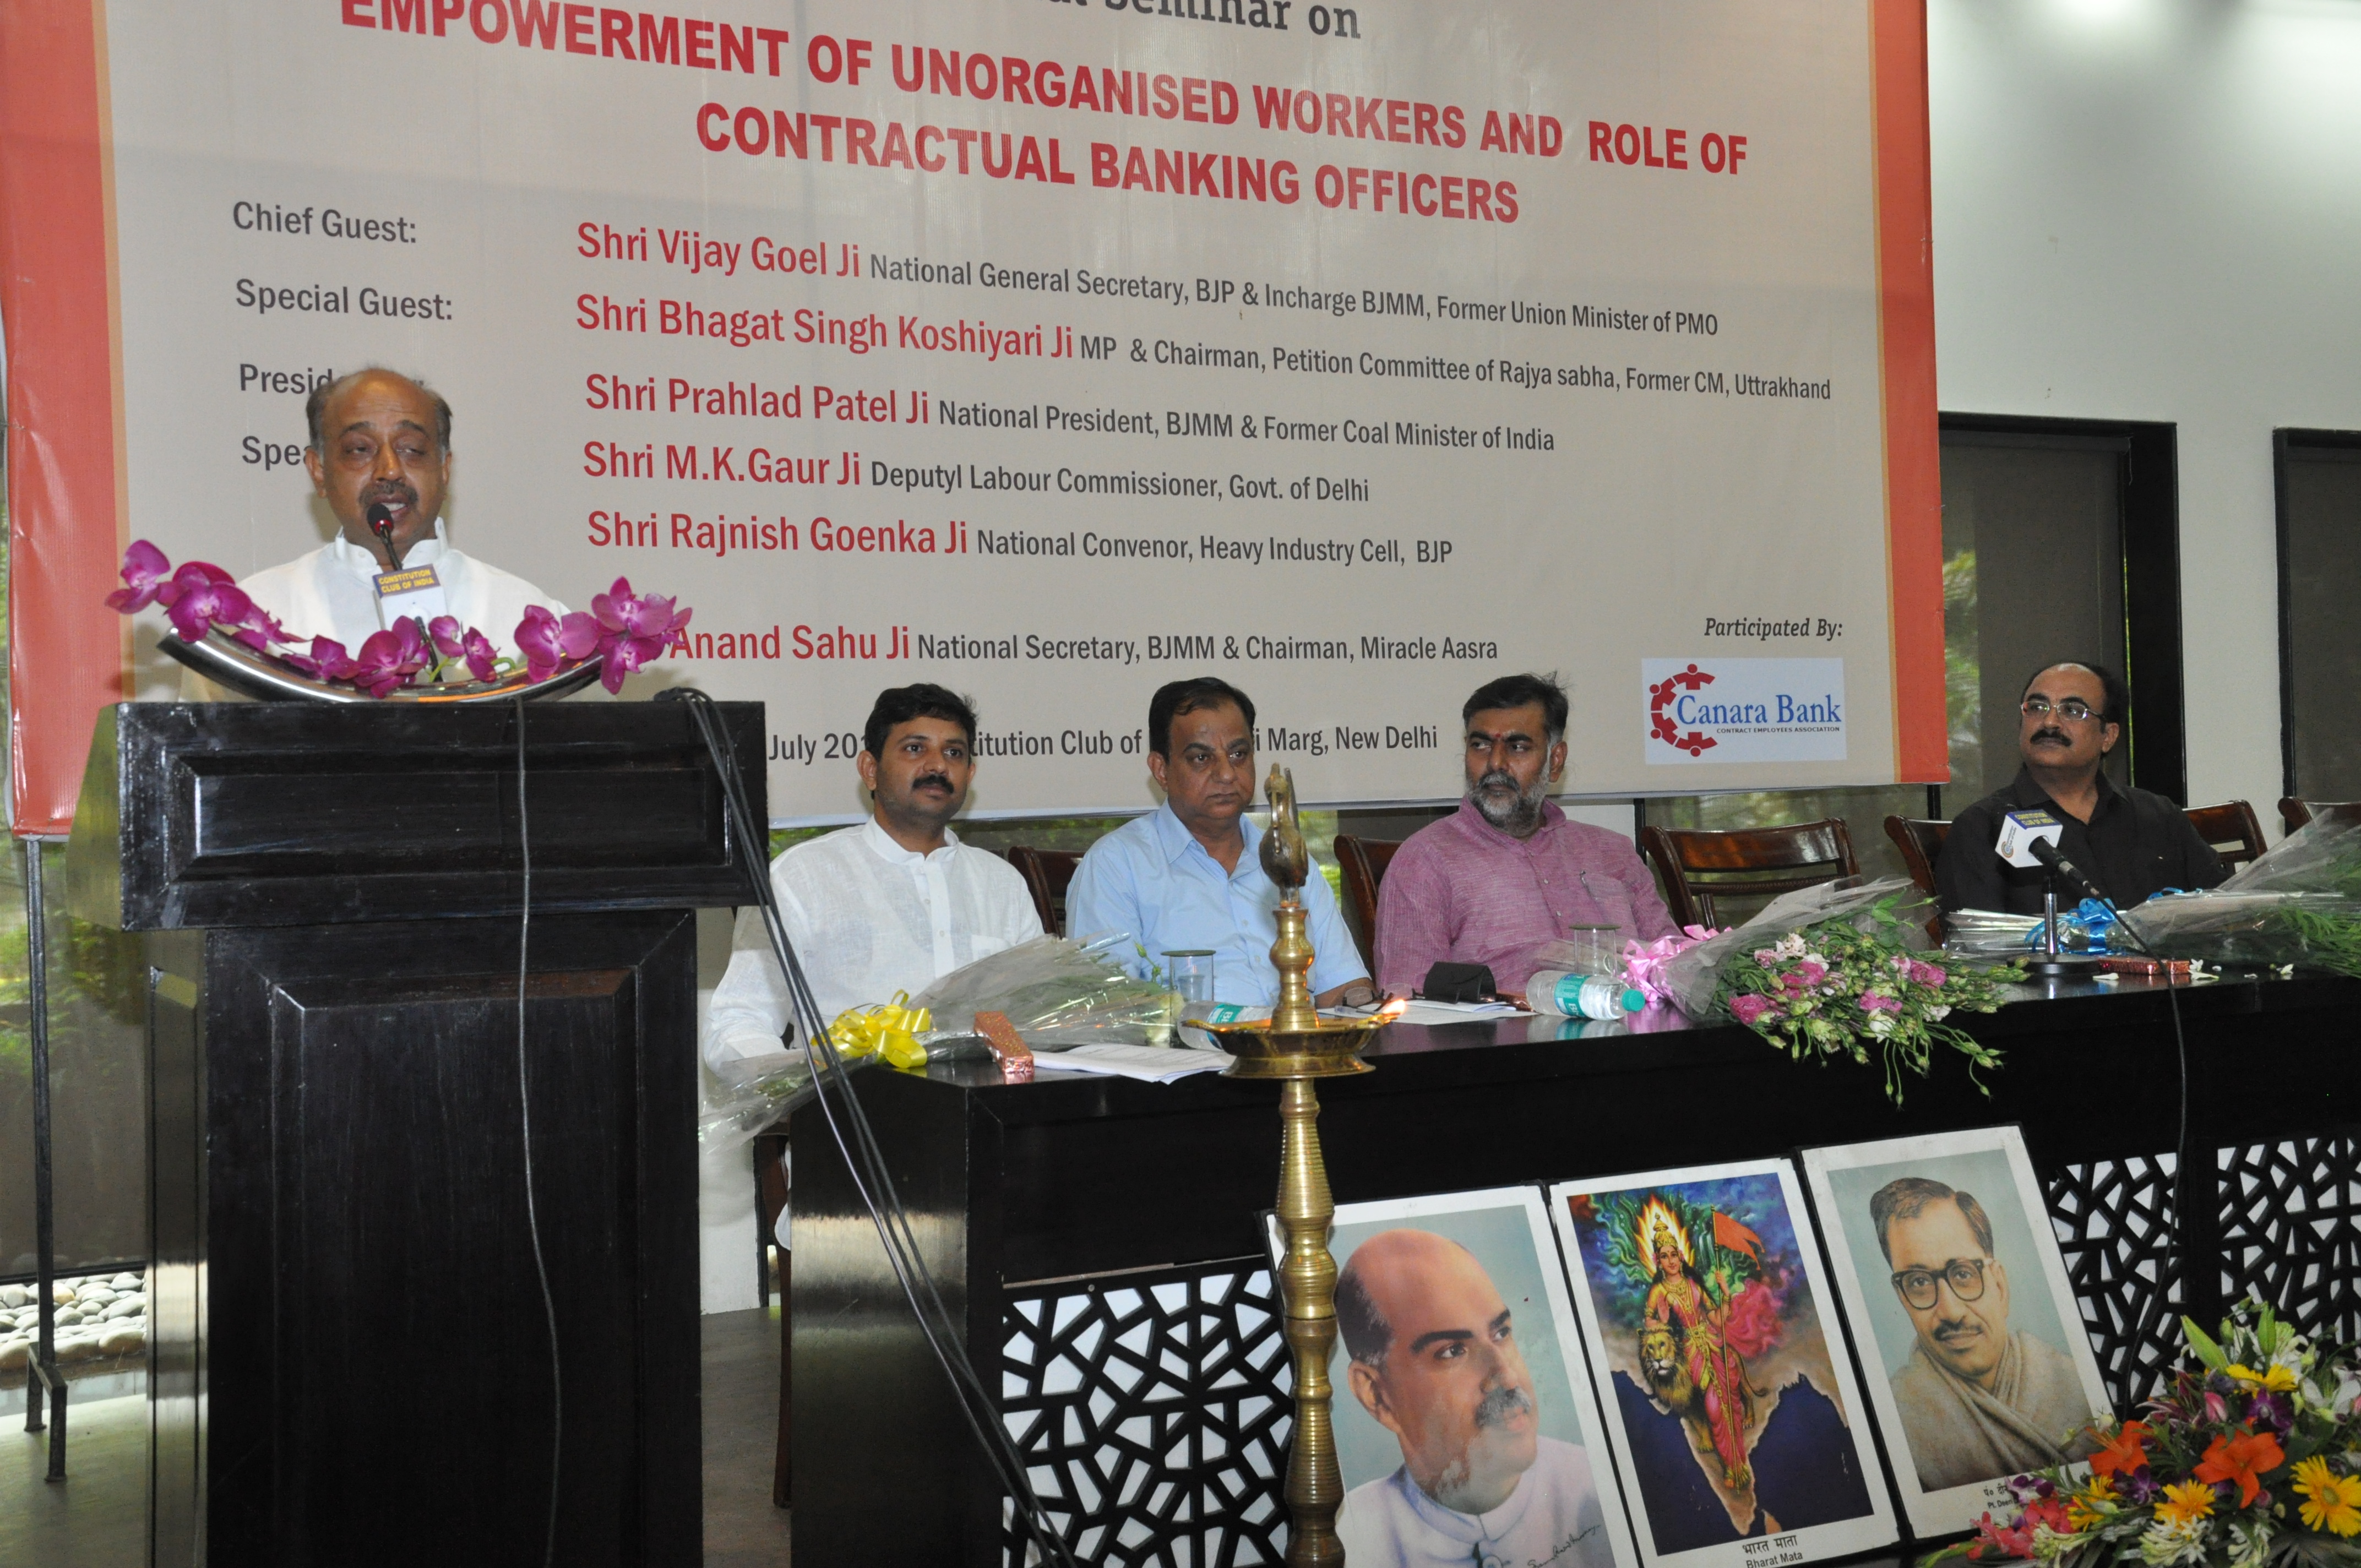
(2182, 1153)
(856, 1141)
(524, 1108)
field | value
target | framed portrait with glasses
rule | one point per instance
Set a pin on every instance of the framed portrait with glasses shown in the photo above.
(1972, 1349)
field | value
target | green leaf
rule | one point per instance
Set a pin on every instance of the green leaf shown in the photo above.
(2203, 1347)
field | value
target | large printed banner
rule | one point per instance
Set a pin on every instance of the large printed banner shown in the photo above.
(1047, 349)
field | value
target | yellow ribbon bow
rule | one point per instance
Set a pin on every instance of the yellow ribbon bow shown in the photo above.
(889, 1031)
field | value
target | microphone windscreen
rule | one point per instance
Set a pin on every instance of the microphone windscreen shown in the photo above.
(379, 515)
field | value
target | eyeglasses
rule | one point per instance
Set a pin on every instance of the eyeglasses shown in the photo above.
(1965, 1276)
(2072, 708)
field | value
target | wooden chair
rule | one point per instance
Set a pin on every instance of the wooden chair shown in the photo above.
(1363, 863)
(1697, 865)
(1046, 872)
(1920, 840)
(2300, 813)
(2232, 828)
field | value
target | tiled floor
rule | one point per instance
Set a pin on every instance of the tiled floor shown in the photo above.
(98, 1519)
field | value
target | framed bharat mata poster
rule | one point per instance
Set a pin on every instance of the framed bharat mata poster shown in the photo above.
(1464, 1419)
(1721, 1363)
(1971, 1343)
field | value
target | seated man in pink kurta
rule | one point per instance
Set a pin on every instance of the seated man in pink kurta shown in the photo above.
(1508, 873)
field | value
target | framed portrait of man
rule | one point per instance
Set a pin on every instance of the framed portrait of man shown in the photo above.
(1971, 1342)
(1722, 1367)
(1465, 1425)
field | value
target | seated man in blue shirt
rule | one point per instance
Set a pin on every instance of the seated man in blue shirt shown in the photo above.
(1188, 875)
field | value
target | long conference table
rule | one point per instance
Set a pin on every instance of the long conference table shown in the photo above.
(1100, 1238)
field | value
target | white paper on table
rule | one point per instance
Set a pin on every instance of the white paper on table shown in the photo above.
(1421, 1012)
(1148, 1064)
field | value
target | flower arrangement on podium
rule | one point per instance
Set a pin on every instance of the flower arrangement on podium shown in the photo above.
(2252, 1459)
(621, 631)
(1834, 972)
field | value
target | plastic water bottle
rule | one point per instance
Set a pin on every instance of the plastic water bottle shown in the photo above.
(1571, 996)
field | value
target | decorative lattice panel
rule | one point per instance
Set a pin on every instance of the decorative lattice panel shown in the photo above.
(2291, 1230)
(2114, 1220)
(1153, 1411)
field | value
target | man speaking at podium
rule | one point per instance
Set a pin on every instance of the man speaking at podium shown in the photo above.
(2132, 843)
(381, 440)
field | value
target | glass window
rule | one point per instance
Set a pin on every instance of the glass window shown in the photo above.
(2032, 573)
(2320, 581)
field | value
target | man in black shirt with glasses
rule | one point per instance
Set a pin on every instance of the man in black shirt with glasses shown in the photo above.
(2130, 843)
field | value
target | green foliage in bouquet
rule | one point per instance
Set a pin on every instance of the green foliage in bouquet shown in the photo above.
(1854, 985)
(2330, 938)
(2252, 1460)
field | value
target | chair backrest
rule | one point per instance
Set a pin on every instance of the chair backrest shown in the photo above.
(2232, 828)
(2294, 813)
(1920, 840)
(1697, 864)
(1363, 863)
(1046, 874)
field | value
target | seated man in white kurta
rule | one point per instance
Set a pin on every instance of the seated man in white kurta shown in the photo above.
(888, 905)
(380, 439)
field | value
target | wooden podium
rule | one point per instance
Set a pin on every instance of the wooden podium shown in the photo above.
(349, 1361)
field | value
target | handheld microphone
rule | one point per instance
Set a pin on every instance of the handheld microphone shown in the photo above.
(2046, 852)
(380, 522)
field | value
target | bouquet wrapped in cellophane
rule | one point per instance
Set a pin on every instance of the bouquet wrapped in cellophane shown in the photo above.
(2299, 904)
(1838, 971)
(1057, 993)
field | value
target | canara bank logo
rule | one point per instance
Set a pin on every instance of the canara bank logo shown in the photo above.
(1744, 710)
(1662, 698)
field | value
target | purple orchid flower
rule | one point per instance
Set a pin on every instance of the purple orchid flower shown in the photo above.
(389, 658)
(2139, 1486)
(148, 574)
(200, 596)
(637, 629)
(469, 645)
(549, 643)
(2272, 1410)
(328, 661)
(258, 629)
(483, 659)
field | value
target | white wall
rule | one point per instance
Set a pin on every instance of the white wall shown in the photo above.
(2151, 210)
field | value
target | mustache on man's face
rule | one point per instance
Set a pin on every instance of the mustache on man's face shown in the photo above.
(937, 781)
(2051, 733)
(1497, 781)
(1499, 1405)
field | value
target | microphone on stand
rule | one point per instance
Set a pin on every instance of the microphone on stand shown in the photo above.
(2046, 852)
(2028, 838)
(379, 518)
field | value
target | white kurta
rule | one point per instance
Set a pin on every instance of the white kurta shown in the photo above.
(331, 592)
(1552, 1518)
(868, 918)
